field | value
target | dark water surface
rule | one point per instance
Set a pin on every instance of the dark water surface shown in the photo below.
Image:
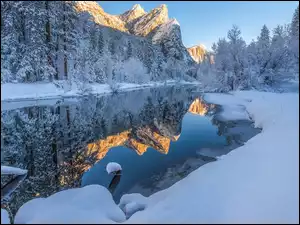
(158, 135)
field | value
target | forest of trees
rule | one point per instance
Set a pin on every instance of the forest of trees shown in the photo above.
(239, 66)
(38, 40)
(51, 40)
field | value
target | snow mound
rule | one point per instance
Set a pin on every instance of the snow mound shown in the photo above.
(89, 204)
(4, 217)
(6, 170)
(113, 167)
(132, 203)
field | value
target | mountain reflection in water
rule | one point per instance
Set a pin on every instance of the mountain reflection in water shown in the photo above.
(61, 143)
(156, 135)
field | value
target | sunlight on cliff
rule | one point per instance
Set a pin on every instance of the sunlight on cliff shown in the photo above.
(198, 107)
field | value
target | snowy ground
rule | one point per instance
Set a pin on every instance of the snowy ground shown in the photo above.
(255, 183)
(22, 91)
(4, 217)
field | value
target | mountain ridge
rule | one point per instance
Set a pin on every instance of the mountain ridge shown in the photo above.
(135, 21)
(155, 26)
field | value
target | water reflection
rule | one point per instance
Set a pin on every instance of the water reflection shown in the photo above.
(157, 134)
(60, 142)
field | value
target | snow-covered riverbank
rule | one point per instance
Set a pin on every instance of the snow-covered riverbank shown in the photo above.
(255, 183)
(36, 91)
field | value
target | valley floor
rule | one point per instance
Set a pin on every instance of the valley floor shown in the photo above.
(255, 183)
(29, 91)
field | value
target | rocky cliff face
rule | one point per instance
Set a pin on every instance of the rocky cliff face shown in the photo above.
(197, 52)
(143, 25)
(99, 16)
(161, 43)
(134, 21)
(131, 15)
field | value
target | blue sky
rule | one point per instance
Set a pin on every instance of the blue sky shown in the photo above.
(205, 22)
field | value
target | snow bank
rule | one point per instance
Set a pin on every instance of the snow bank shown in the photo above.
(233, 108)
(4, 217)
(24, 91)
(90, 204)
(5, 170)
(256, 183)
(113, 167)
(12, 91)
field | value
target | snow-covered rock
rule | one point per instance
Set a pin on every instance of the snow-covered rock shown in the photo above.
(90, 204)
(168, 35)
(113, 167)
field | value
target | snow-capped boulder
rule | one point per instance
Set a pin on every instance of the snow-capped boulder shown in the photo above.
(113, 167)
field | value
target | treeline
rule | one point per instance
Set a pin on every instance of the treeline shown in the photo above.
(239, 66)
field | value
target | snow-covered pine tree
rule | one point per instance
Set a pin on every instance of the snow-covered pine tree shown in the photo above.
(100, 42)
(222, 62)
(9, 41)
(278, 49)
(129, 51)
(237, 48)
(294, 40)
(263, 51)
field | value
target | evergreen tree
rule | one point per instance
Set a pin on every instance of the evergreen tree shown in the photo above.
(263, 50)
(237, 50)
(294, 40)
(100, 42)
(129, 51)
(278, 49)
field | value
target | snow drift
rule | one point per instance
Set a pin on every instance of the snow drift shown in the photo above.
(90, 204)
